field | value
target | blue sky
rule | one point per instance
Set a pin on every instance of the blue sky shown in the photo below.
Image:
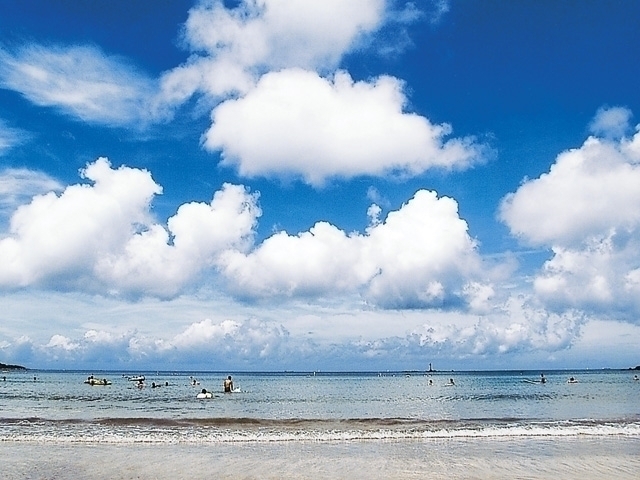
(362, 185)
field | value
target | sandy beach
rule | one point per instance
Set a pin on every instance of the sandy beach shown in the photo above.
(532, 458)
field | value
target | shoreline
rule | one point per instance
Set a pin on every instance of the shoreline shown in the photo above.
(451, 459)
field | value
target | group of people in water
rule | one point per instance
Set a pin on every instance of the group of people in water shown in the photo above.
(227, 384)
(139, 381)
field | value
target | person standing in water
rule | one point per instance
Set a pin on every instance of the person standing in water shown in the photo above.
(228, 385)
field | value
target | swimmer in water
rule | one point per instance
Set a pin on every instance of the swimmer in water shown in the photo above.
(228, 385)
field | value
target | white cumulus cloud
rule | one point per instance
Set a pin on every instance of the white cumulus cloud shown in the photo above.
(587, 191)
(101, 235)
(586, 209)
(600, 276)
(286, 111)
(160, 261)
(233, 46)
(62, 234)
(512, 331)
(296, 123)
(420, 256)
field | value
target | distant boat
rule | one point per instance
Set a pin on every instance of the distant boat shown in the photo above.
(137, 378)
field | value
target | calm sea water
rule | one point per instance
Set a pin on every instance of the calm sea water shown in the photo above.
(59, 408)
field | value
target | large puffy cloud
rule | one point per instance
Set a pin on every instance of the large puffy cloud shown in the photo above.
(602, 276)
(228, 343)
(342, 129)
(587, 210)
(58, 235)
(82, 82)
(152, 262)
(234, 45)
(587, 191)
(101, 235)
(285, 112)
(296, 123)
(420, 256)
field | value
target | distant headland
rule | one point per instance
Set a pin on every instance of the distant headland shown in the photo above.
(4, 366)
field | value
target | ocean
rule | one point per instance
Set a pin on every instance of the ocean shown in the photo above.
(504, 424)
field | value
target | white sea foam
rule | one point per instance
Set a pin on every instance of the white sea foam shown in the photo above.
(89, 433)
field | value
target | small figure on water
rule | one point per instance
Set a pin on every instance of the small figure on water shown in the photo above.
(228, 385)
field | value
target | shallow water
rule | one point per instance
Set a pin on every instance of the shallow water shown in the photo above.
(357, 425)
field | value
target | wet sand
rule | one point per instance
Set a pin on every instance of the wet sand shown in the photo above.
(531, 458)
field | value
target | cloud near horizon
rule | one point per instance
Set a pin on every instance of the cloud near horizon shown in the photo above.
(514, 328)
